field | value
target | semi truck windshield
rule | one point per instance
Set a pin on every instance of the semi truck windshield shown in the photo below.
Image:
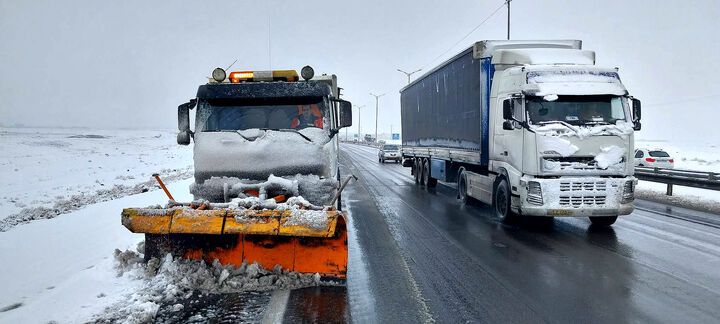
(222, 116)
(577, 110)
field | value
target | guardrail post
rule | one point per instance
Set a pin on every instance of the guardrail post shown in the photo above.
(669, 189)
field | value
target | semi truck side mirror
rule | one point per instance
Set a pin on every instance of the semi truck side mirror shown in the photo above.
(183, 137)
(508, 109)
(345, 111)
(636, 114)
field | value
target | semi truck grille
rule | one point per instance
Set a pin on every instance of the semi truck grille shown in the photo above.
(579, 201)
(583, 186)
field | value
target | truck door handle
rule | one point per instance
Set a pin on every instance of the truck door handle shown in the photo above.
(504, 153)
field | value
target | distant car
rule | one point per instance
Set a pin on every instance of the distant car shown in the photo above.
(653, 158)
(389, 152)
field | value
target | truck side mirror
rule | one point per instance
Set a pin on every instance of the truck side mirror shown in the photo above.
(636, 114)
(345, 114)
(183, 137)
(508, 109)
(636, 109)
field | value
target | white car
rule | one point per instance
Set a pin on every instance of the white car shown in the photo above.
(656, 158)
(389, 152)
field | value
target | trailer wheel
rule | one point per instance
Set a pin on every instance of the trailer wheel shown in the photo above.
(416, 170)
(462, 186)
(429, 181)
(501, 201)
(603, 221)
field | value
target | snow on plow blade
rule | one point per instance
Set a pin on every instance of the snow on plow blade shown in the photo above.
(268, 237)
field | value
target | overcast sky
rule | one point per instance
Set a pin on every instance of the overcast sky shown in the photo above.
(128, 64)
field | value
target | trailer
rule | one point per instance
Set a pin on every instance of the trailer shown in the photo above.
(531, 127)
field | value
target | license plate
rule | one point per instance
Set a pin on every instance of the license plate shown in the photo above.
(560, 212)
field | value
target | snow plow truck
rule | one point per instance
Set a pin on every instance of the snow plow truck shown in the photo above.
(267, 183)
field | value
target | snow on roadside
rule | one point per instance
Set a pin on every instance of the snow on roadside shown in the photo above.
(692, 198)
(51, 167)
(75, 202)
(62, 269)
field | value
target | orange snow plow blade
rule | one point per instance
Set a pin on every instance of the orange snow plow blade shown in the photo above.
(268, 237)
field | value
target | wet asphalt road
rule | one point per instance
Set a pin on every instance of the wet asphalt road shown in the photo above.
(424, 256)
(419, 255)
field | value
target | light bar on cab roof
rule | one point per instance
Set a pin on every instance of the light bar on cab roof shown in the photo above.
(254, 76)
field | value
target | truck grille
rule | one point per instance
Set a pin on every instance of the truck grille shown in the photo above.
(579, 201)
(583, 186)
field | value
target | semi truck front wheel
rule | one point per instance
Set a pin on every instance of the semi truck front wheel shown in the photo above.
(501, 201)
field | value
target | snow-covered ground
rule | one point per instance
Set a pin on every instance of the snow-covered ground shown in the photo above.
(48, 171)
(60, 202)
(697, 155)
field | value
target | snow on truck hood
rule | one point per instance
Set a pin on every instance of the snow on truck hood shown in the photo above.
(607, 144)
(255, 153)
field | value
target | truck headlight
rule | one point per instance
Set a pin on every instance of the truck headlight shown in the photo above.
(534, 193)
(628, 192)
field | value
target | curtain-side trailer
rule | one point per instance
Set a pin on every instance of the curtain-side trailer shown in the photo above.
(531, 127)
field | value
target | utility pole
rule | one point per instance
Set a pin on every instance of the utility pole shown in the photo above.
(376, 113)
(359, 134)
(508, 31)
(409, 73)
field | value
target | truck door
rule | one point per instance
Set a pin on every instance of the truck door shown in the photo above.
(509, 143)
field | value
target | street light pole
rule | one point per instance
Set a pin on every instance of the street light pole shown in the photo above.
(358, 108)
(409, 73)
(376, 113)
(508, 29)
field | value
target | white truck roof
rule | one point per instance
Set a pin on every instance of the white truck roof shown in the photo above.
(487, 48)
(536, 56)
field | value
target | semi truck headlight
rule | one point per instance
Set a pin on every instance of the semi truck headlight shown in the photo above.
(534, 193)
(628, 192)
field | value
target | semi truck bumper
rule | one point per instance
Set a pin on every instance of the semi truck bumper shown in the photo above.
(576, 196)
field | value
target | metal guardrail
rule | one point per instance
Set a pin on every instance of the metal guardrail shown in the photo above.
(687, 178)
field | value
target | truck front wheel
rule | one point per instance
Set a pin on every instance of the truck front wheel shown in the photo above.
(501, 201)
(603, 221)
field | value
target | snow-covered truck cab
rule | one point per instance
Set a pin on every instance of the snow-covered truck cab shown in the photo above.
(252, 125)
(563, 133)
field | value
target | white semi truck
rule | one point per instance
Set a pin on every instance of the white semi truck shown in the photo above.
(530, 127)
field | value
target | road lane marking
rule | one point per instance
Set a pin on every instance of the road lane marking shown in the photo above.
(276, 308)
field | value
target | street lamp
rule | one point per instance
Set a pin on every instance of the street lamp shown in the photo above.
(409, 73)
(358, 108)
(376, 112)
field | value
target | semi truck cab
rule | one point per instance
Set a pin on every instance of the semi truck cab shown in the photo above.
(531, 127)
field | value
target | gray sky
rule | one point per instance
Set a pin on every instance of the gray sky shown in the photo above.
(128, 64)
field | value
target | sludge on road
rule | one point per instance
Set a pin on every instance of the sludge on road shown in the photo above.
(429, 257)
(420, 255)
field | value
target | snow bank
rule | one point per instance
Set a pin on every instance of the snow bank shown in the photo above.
(168, 280)
(64, 205)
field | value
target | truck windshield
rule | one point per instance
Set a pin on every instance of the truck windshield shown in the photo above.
(227, 115)
(577, 110)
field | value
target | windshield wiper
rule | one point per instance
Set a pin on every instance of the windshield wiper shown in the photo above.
(597, 123)
(566, 124)
(288, 130)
